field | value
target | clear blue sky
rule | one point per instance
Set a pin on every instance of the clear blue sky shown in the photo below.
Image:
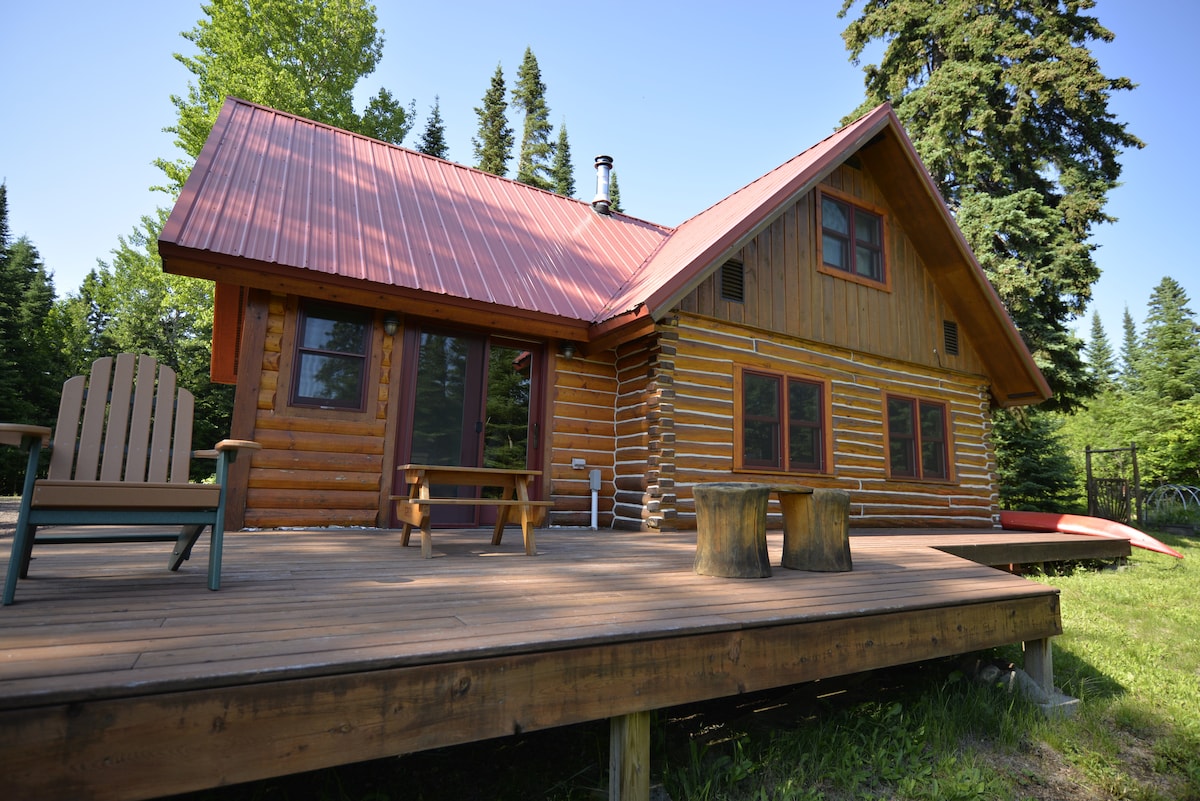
(693, 100)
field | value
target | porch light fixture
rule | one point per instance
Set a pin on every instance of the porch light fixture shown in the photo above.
(568, 350)
(391, 325)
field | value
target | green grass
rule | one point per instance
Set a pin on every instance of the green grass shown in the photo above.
(1130, 652)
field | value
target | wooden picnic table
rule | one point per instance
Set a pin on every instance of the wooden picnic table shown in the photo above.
(414, 509)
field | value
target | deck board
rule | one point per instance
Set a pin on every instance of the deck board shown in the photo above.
(598, 623)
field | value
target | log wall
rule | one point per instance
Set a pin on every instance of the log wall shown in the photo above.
(317, 467)
(708, 353)
(582, 426)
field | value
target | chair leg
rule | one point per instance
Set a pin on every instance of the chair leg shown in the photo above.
(183, 546)
(216, 539)
(22, 547)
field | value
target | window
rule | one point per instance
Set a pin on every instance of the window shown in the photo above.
(331, 358)
(782, 422)
(917, 442)
(851, 239)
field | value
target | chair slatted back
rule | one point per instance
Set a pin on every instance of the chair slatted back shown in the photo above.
(125, 421)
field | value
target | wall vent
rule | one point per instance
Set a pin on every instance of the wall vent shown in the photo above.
(733, 281)
(950, 337)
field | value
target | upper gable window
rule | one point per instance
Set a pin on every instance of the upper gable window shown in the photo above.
(331, 357)
(852, 240)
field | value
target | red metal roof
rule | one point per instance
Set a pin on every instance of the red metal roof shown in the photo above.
(282, 190)
(288, 193)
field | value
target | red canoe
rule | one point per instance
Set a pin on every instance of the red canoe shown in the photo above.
(1078, 524)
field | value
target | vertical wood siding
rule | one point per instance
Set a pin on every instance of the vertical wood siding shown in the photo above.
(785, 292)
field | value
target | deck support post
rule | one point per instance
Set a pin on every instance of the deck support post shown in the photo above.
(629, 757)
(1039, 663)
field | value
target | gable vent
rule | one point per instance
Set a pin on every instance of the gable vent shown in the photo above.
(733, 281)
(950, 337)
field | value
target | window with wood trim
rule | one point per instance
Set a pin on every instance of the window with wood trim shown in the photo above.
(852, 239)
(331, 357)
(918, 439)
(783, 422)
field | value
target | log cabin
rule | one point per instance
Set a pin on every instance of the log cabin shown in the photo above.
(826, 325)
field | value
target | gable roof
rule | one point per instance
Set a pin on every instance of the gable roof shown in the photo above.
(279, 202)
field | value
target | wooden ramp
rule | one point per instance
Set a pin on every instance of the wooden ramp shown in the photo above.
(119, 680)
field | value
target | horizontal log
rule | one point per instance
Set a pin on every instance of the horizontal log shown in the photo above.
(314, 480)
(301, 460)
(335, 423)
(300, 440)
(311, 499)
(291, 518)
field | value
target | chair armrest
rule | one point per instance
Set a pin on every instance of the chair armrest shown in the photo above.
(227, 445)
(15, 433)
(238, 444)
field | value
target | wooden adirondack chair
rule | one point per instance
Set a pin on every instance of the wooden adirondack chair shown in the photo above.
(120, 457)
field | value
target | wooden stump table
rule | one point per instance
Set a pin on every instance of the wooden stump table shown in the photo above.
(816, 529)
(731, 529)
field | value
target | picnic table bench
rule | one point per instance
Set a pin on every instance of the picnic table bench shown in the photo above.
(414, 509)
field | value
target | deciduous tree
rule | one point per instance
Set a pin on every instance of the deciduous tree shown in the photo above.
(299, 56)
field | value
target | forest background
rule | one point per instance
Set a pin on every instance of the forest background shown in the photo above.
(1007, 107)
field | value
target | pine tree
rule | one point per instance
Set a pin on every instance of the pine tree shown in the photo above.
(563, 173)
(494, 143)
(1131, 348)
(31, 370)
(1032, 462)
(537, 151)
(614, 192)
(1169, 359)
(1008, 109)
(1100, 357)
(433, 140)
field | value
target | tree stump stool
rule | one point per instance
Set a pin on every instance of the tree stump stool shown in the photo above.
(816, 529)
(731, 529)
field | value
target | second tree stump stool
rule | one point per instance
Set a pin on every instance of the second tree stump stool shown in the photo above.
(731, 529)
(816, 529)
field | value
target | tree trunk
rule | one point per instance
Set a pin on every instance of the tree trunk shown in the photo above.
(816, 530)
(731, 529)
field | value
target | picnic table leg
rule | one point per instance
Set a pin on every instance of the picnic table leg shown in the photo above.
(816, 531)
(527, 518)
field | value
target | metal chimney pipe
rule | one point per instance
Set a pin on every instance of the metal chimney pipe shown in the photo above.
(602, 201)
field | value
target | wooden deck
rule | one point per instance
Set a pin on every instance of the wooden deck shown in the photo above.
(120, 680)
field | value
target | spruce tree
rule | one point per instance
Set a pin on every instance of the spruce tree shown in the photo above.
(433, 139)
(614, 192)
(1009, 111)
(563, 173)
(1131, 348)
(494, 143)
(1169, 359)
(1100, 357)
(534, 162)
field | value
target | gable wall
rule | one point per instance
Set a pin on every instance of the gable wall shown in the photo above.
(786, 293)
